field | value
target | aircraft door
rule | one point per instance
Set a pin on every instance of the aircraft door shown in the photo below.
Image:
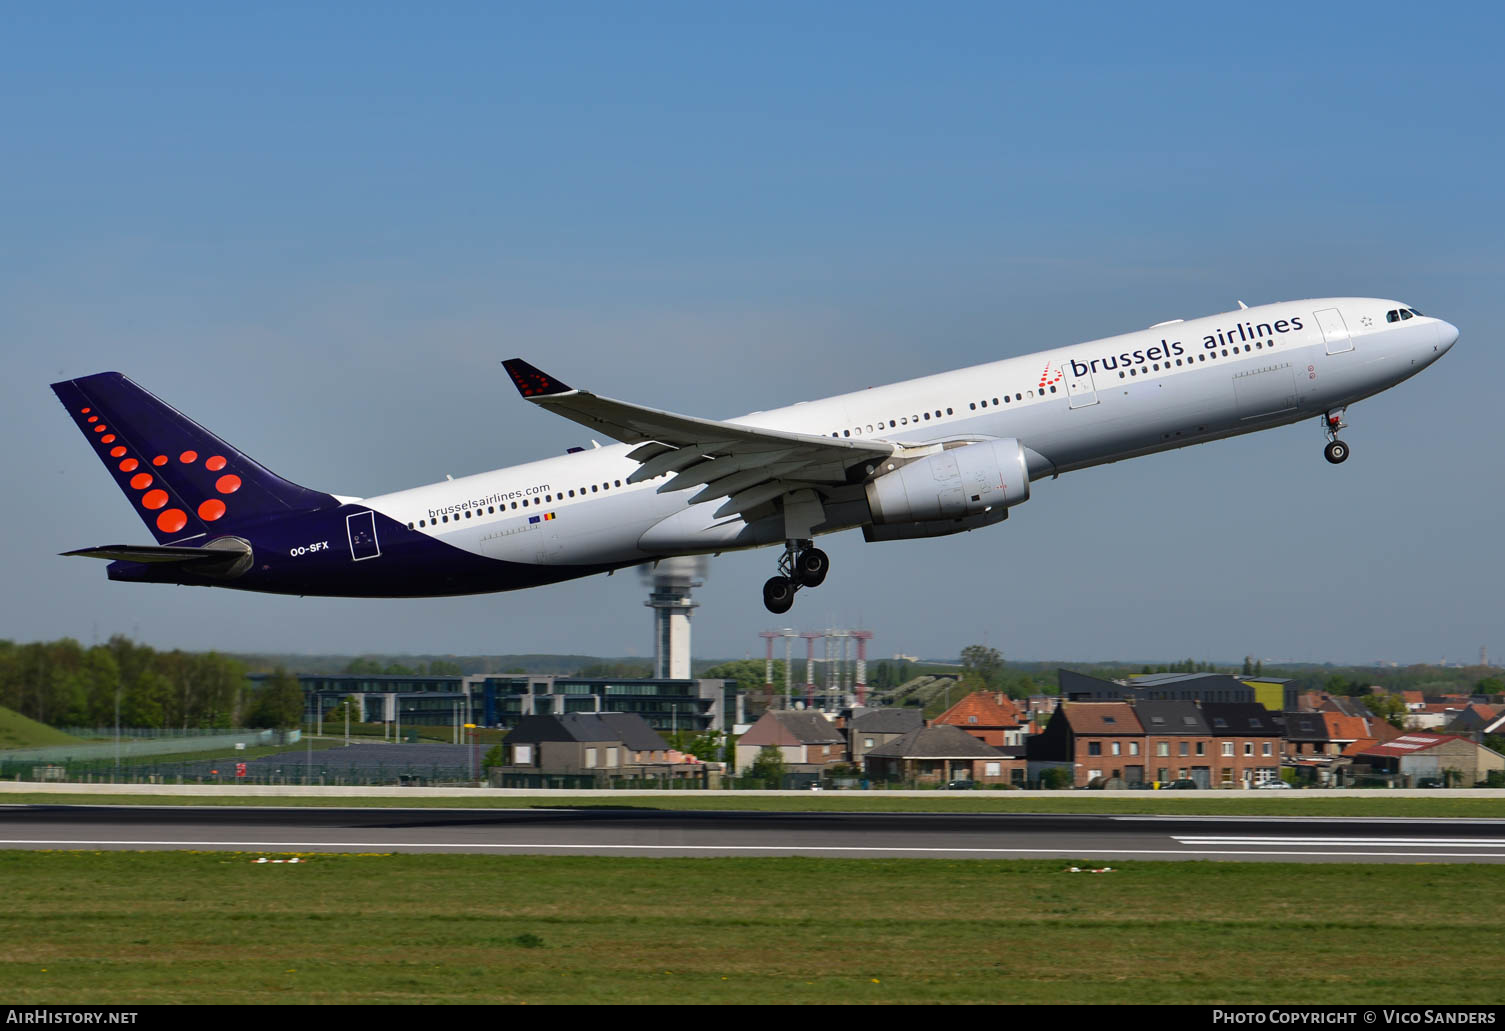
(1081, 391)
(361, 529)
(1334, 330)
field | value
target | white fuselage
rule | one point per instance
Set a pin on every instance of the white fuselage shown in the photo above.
(1071, 407)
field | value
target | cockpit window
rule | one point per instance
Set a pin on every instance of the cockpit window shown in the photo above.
(1400, 314)
(1413, 311)
(1392, 315)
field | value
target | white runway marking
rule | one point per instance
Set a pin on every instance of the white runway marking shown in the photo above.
(315, 846)
(1367, 842)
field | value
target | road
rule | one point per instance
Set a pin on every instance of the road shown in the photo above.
(603, 830)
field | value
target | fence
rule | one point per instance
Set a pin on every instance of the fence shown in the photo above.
(145, 732)
(228, 772)
(227, 739)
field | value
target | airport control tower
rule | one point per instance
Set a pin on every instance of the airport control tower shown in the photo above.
(671, 580)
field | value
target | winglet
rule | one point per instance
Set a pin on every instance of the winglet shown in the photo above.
(532, 382)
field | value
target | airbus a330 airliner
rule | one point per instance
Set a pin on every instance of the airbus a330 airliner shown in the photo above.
(923, 458)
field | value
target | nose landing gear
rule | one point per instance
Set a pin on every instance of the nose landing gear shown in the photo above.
(802, 565)
(1336, 451)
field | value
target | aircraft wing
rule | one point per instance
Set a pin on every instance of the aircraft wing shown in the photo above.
(747, 465)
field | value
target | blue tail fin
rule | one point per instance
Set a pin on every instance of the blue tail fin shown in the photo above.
(182, 480)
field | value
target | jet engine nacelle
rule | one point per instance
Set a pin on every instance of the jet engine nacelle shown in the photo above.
(961, 484)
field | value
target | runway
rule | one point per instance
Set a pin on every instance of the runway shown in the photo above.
(646, 832)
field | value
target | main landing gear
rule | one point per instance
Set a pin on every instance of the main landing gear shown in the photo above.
(802, 565)
(1336, 451)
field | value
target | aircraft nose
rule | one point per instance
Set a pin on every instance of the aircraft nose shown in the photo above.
(1447, 335)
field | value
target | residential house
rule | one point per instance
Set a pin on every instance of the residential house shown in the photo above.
(807, 740)
(605, 743)
(1099, 740)
(942, 754)
(1177, 742)
(991, 718)
(1478, 720)
(1247, 743)
(874, 727)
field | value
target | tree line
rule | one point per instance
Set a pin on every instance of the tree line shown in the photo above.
(63, 684)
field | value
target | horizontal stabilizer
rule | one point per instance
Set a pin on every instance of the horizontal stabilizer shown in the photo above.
(150, 553)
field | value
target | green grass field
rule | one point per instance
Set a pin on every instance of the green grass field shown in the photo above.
(17, 731)
(1209, 803)
(128, 928)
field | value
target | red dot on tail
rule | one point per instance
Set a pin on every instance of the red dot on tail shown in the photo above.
(227, 484)
(154, 499)
(160, 460)
(173, 520)
(141, 481)
(211, 510)
(85, 411)
(188, 457)
(129, 465)
(93, 418)
(108, 438)
(215, 463)
(116, 452)
(100, 428)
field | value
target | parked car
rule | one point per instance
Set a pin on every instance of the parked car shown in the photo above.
(961, 784)
(1184, 784)
(1273, 785)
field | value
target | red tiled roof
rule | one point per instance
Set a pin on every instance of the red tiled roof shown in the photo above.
(978, 710)
(1410, 744)
(1101, 718)
(1345, 728)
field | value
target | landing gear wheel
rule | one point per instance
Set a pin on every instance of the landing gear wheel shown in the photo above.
(778, 594)
(811, 567)
(1336, 452)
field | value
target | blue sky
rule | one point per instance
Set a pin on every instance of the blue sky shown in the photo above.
(318, 228)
